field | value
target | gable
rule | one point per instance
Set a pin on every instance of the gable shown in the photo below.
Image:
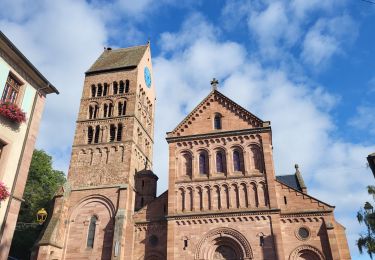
(298, 201)
(201, 119)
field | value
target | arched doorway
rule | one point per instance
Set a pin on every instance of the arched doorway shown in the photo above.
(223, 244)
(306, 252)
(225, 253)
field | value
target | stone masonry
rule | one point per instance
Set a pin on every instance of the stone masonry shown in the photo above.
(224, 200)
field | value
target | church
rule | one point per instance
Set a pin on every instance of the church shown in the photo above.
(224, 200)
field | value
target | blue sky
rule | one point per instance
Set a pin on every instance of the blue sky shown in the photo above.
(307, 66)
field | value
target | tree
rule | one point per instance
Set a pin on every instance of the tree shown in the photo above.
(42, 183)
(366, 216)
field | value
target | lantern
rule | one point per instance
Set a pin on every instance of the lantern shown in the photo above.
(41, 216)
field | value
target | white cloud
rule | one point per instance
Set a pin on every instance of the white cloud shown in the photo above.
(287, 32)
(273, 28)
(62, 39)
(364, 119)
(326, 38)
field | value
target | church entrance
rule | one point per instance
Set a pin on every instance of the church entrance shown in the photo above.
(308, 255)
(225, 253)
(223, 244)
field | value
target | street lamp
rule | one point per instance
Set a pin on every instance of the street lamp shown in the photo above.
(368, 208)
(41, 216)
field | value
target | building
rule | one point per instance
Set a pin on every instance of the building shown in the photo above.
(223, 201)
(22, 86)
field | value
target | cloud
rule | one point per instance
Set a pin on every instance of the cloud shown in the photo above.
(62, 39)
(364, 119)
(288, 32)
(273, 28)
(326, 38)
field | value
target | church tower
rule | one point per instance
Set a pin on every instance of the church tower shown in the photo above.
(113, 142)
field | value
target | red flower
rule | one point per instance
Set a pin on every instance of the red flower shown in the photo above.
(4, 193)
(12, 112)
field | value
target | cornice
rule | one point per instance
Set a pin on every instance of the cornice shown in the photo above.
(219, 134)
(223, 214)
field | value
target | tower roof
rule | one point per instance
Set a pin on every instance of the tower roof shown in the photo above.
(118, 59)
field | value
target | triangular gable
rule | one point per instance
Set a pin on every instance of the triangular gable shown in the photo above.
(200, 120)
(297, 200)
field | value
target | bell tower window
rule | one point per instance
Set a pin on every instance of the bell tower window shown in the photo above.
(127, 86)
(115, 88)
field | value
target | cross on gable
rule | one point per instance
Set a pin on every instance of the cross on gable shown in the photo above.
(214, 83)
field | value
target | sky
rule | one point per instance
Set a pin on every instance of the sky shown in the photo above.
(307, 66)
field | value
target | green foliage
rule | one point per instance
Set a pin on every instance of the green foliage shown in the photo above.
(42, 183)
(366, 216)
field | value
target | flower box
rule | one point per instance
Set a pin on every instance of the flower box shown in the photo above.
(12, 112)
(4, 193)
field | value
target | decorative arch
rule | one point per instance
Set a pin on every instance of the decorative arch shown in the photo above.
(238, 159)
(203, 162)
(306, 252)
(213, 241)
(256, 158)
(186, 164)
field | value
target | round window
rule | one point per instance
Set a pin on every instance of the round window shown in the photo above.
(153, 240)
(303, 233)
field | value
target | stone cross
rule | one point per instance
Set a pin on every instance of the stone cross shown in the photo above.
(214, 83)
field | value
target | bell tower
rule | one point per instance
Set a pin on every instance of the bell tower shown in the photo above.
(113, 142)
(114, 132)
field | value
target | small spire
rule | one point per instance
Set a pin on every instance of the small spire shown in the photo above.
(300, 179)
(214, 83)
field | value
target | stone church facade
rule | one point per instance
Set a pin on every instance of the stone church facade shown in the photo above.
(223, 201)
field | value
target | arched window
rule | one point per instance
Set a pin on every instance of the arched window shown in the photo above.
(237, 161)
(110, 110)
(112, 133)
(187, 164)
(91, 112)
(93, 91)
(127, 86)
(96, 111)
(124, 108)
(220, 162)
(203, 163)
(121, 90)
(119, 132)
(105, 90)
(97, 133)
(256, 158)
(115, 88)
(105, 110)
(119, 108)
(91, 233)
(100, 90)
(217, 121)
(90, 133)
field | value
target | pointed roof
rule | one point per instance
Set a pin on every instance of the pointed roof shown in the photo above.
(118, 58)
(217, 96)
